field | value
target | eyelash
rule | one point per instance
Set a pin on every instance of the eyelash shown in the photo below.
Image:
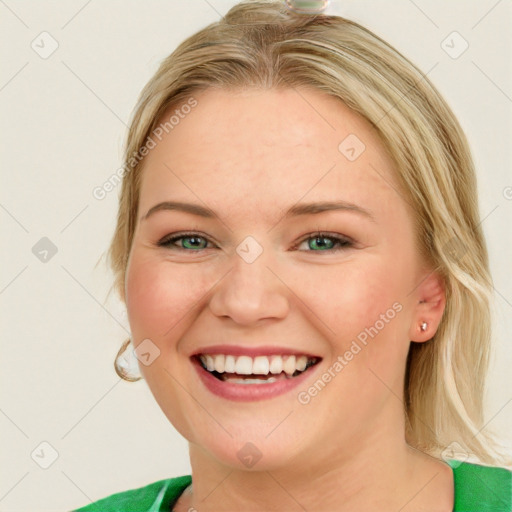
(343, 242)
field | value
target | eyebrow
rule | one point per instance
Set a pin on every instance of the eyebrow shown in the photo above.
(295, 211)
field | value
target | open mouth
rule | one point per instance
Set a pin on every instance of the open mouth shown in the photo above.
(255, 370)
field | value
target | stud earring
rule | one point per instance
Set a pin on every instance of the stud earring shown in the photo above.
(424, 326)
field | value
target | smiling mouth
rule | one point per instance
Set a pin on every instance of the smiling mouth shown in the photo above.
(255, 370)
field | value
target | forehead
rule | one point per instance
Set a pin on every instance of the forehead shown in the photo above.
(264, 149)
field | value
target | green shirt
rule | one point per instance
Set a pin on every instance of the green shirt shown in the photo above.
(477, 489)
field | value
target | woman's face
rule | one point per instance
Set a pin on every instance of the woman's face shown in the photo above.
(255, 281)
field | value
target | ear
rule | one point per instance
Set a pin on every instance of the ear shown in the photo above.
(431, 301)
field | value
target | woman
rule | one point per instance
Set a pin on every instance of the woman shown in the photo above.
(299, 249)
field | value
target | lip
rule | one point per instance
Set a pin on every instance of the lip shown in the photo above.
(248, 392)
(252, 351)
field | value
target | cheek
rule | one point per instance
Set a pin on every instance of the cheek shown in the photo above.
(365, 308)
(378, 308)
(159, 296)
(354, 296)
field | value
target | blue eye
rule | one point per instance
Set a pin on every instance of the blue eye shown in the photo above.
(317, 243)
(190, 241)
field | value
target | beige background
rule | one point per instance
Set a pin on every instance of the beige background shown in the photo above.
(62, 128)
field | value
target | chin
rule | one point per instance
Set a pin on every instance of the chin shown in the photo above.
(250, 456)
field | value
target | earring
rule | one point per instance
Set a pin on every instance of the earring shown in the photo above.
(423, 326)
(126, 365)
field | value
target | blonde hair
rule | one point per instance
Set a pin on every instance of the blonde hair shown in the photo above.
(263, 44)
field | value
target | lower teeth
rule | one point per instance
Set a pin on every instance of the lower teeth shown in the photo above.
(225, 377)
(251, 381)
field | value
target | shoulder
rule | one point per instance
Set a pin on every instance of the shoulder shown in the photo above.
(481, 488)
(154, 497)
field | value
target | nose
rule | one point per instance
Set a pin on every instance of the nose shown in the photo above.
(250, 291)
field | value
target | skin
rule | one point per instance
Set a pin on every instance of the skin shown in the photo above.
(249, 155)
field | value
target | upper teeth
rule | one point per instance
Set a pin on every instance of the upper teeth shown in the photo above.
(259, 365)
